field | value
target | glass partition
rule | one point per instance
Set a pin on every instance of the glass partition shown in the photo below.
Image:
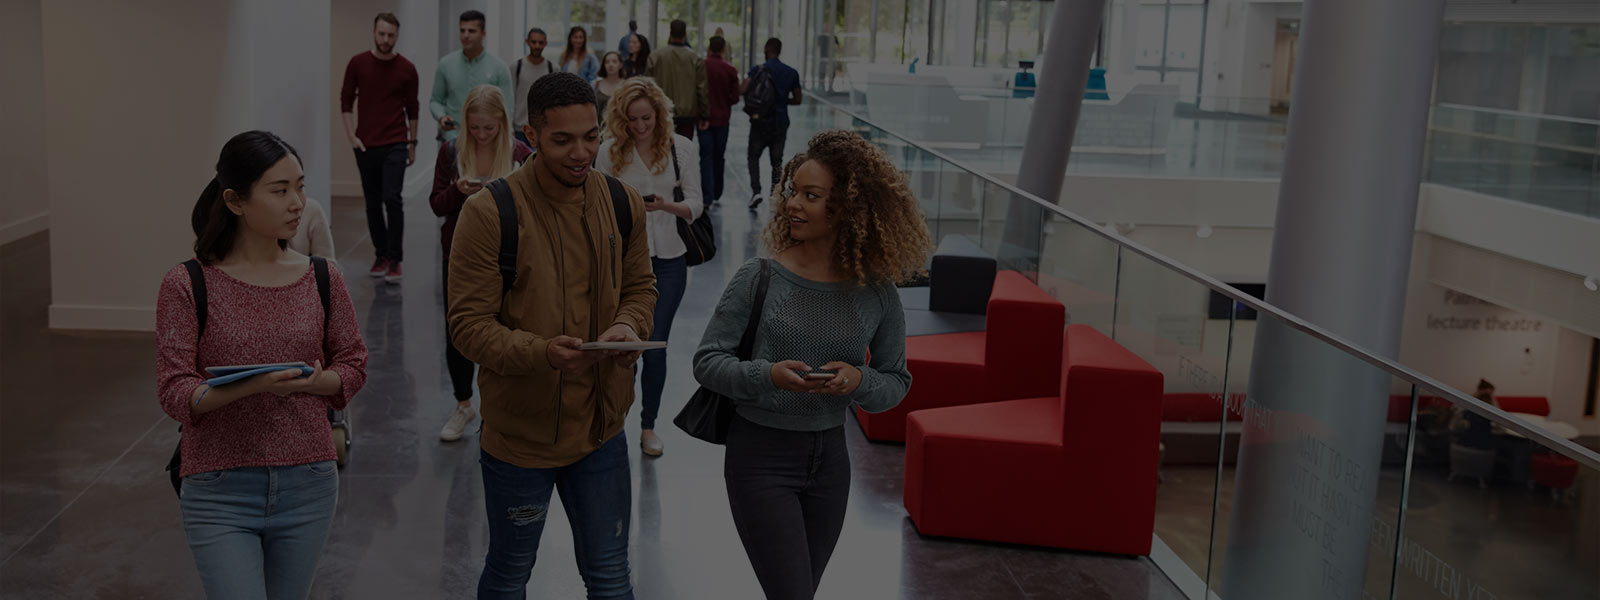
(1292, 464)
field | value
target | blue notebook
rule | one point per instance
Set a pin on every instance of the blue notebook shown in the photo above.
(221, 376)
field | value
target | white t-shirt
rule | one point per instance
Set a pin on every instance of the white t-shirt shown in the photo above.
(661, 226)
(520, 82)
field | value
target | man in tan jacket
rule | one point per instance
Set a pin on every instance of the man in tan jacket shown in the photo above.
(553, 414)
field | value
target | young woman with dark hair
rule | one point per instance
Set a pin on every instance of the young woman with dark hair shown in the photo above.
(638, 57)
(605, 86)
(576, 58)
(259, 479)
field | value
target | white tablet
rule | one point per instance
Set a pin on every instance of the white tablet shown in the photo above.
(623, 346)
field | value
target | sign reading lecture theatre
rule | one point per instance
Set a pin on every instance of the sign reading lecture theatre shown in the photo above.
(1479, 323)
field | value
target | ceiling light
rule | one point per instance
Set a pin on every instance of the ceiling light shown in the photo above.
(1203, 231)
(1589, 282)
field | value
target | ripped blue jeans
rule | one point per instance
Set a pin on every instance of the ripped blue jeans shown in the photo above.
(597, 494)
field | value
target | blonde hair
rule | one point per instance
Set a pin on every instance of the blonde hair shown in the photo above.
(485, 100)
(616, 121)
(882, 234)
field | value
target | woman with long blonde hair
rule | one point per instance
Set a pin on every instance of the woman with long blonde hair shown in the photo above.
(845, 229)
(487, 152)
(641, 150)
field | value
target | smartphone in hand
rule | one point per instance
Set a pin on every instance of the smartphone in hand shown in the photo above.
(821, 374)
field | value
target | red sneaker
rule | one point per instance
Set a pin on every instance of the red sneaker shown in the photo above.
(379, 267)
(393, 276)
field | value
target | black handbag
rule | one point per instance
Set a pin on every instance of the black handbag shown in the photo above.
(699, 238)
(708, 414)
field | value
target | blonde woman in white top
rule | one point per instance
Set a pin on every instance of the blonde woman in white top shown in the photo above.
(639, 149)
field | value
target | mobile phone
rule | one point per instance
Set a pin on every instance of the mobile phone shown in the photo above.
(822, 374)
(478, 180)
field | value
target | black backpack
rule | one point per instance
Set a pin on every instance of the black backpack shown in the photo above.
(761, 95)
(197, 281)
(506, 205)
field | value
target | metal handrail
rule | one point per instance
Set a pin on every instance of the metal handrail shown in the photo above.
(1494, 413)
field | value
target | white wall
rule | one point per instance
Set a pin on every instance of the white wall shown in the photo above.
(191, 75)
(25, 208)
(1240, 39)
(1572, 380)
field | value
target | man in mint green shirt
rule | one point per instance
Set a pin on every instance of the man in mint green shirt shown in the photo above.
(460, 71)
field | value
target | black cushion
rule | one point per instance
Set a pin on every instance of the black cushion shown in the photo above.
(962, 277)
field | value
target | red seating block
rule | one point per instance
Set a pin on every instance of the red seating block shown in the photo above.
(1076, 470)
(1554, 471)
(1533, 405)
(1018, 355)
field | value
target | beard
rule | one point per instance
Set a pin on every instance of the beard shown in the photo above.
(385, 48)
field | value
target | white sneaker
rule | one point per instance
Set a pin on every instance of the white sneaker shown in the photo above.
(457, 423)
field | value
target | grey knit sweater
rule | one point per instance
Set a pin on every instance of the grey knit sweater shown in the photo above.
(808, 321)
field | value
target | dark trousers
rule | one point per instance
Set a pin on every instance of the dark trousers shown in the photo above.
(383, 173)
(597, 493)
(713, 152)
(461, 370)
(685, 126)
(768, 137)
(672, 275)
(788, 491)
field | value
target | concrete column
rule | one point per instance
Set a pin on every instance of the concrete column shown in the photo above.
(1307, 475)
(1074, 29)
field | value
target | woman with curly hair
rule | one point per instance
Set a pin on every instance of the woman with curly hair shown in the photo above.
(845, 229)
(642, 151)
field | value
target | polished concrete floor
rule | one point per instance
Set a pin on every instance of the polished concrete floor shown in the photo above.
(86, 510)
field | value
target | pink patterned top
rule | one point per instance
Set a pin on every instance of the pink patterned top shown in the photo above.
(250, 324)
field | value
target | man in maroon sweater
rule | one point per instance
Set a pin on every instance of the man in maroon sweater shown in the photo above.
(722, 87)
(382, 86)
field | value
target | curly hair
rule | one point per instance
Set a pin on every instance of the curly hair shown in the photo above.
(616, 121)
(882, 234)
(556, 90)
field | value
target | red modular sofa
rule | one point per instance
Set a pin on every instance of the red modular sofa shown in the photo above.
(1018, 355)
(1074, 470)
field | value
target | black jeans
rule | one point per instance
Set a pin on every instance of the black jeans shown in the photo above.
(769, 137)
(713, 151)
(383, 173)
(788, 491)
(461, 370)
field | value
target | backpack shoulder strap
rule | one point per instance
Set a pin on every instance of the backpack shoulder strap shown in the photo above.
(506, 204)
(324, 293)
(197, 283)
(624, 210)
(516, 78)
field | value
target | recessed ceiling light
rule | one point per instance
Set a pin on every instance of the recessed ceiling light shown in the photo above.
(1203, 231)
(1589, 282)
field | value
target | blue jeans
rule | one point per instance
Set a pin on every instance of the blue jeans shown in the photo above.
(257, 532)
(713, 151)
(672, 275)
(597, 493)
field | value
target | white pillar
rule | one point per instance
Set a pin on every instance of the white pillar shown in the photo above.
(1352, 167)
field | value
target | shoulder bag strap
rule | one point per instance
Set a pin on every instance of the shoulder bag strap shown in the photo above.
(325, 294)
(197, 283)
(748, 342)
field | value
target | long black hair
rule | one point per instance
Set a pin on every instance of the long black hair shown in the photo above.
(642, 60)
(243, 161)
